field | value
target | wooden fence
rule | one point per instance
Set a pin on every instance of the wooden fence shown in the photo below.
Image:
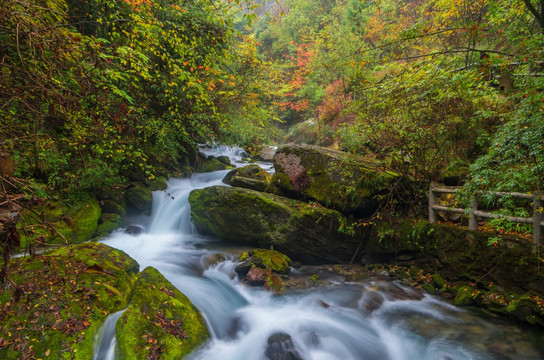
(474, 213)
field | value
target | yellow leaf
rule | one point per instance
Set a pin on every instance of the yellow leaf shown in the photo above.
(47, 352)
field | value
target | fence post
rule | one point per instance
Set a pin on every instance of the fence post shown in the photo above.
(473, 222)
(432, 202)
(537, 218)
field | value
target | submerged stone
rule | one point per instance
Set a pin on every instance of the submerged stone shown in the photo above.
(280, 347)
(134, 230)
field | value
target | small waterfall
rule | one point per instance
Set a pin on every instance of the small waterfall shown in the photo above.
(368, 321)
(106, 345)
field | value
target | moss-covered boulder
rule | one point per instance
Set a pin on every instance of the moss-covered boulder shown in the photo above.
(113, 207)
(211, 163)
(333, 178)
(160, 321)
(58, 223)
(259, 267)
(59, 300)
(157, 184)
(306, 232)
(249, 177)
(140, 198)
(274, 260)
(263, 153)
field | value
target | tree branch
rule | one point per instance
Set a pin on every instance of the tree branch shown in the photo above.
(539, 16)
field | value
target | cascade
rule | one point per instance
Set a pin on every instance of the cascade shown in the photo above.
(375, 320)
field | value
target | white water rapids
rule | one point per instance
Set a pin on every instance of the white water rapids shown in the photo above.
(341, 321)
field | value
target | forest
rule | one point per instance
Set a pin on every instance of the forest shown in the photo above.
(102, 101)
(92, 91)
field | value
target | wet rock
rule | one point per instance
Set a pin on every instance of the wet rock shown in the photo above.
(158, 184)
(265, 153)
(274, 260)
(224, 160)
(213, 260)
(281, 347)
(134, 230)
(333, 178)
(306, 232)
(243, 268)
(249, 177)
(139, 198)
(257, 276)
(211, 163)
(372, 301)
(113, 207)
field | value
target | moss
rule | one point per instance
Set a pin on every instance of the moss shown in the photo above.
(69, 293)
(113, 207)
(274, 283)
(271, 259)
(105, 228)
(528, 307)
(466, 295)
(280, 183)
(110, 217)
(140, 198)
(160, 321)
(428, 288)
(310, 232)
(77, 223)
(335, 179)
(212, 164)
(157, 184)
(438, 281)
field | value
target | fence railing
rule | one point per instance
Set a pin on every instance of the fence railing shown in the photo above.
(474, 213)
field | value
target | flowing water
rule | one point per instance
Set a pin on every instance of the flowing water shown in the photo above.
(375, 320)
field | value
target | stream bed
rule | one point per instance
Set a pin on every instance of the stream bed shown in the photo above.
(377, 319)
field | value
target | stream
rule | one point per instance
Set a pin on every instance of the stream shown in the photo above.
(378, 319)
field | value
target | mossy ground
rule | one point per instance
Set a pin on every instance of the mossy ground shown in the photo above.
(58, 301)
(160, 322)
(58, 223)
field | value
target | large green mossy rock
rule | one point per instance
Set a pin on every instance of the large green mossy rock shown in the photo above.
(211, 163)
(160, 322)
(249, 177)
(58, 223)
(306, 232)
(333, 178)
(59, 300)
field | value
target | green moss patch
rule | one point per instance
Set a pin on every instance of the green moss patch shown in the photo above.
(60, 299)
(160, 321)
(305, 232)
(58, 223)
(274, 260)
